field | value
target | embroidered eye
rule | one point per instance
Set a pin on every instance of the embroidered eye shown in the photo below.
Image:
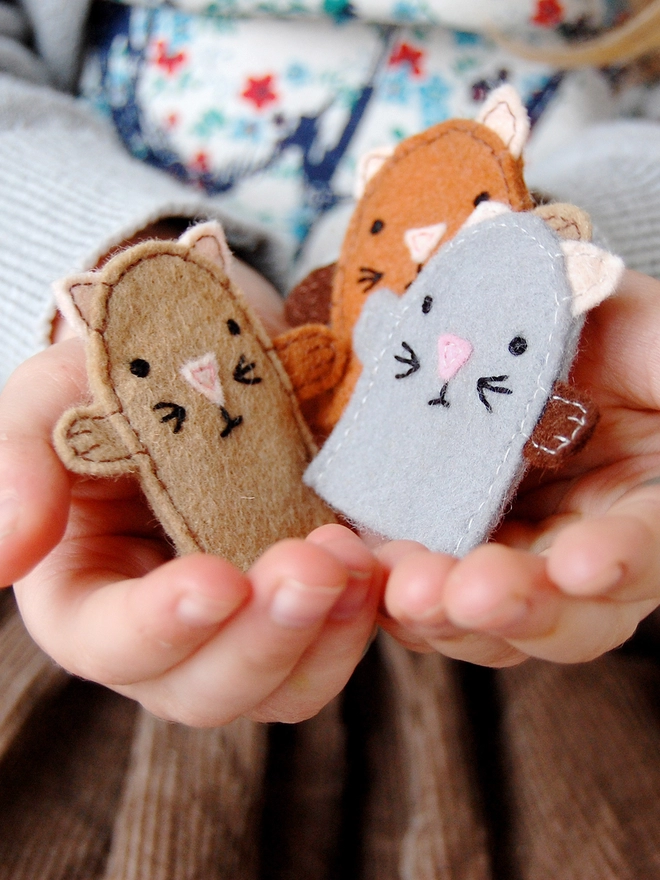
(376, 226)
(243, 372)
(233, 327)
(426, 305)
(140, 368)
(518, 346)
(482, 197)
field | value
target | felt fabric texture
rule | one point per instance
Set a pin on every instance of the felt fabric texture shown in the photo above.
(457, 374)
(568, 221)
(189, 395)
(309, 301)
(568, 421)
(432, 179)
(313, 358)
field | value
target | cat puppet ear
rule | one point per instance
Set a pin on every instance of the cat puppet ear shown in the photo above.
(368, 165)
(208, 241)
(79, 301)
(592, 273)
(505, 114)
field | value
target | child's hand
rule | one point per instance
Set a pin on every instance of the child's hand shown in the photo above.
(193, 639)
(577, 563)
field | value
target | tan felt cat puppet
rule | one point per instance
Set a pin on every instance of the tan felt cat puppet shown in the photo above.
(189, 395)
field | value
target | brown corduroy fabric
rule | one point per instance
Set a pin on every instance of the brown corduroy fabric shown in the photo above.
(305, 785)
(581, 751)
(190, 803)
(27, 675)
(386, 783)
(62, 771)
(423, 817)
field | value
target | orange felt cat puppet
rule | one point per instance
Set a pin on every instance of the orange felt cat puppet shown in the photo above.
(412, 199)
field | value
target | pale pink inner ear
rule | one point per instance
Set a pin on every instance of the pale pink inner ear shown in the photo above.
(423, 240)
(505, 114)
(208, 247)
(76, 298)
(203, 375)
(208, 241)
(592, 273)
(486, 211)
(368, 165)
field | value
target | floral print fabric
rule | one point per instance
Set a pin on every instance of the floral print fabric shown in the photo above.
(271, 114)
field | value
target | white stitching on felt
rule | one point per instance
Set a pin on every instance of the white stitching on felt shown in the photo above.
(539, 389)
(579, 424)
(379, 362)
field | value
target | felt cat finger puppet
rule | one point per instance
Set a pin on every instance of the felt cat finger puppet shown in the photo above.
(458, 373)
(412, 200)
(189, 395)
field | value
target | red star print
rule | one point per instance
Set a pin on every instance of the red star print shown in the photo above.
(260, 91)
(405, 54)
(549, 13)
(169, 63)
(200, 163)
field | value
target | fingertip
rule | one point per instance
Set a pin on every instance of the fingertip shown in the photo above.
(489, 590)
(594, 558)
(391, 553)
(210, 590)
(328, 532)
(297, 560)
(185, 600)
(347, 547)
(416, 585)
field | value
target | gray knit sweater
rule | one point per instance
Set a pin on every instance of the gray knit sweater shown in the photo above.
(69, 191)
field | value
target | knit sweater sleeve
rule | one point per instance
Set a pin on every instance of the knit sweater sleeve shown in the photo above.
(612, 171)
(69, 193)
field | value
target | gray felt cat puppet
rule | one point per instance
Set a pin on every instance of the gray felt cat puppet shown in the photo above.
(456, 375)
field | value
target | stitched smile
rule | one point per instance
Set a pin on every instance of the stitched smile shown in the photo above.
(177, 414)
(441, 401)
(230, 422)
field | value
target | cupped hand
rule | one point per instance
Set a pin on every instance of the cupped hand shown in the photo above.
(193, 639)
(575, 564)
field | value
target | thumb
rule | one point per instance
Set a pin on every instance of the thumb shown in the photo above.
(35, 487)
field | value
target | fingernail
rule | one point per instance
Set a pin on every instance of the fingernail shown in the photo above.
(354, 597)
(196, 609)
(9, 507)
(297, 605)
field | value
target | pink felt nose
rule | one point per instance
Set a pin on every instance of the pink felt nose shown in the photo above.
(202, 374)
(453, 353)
